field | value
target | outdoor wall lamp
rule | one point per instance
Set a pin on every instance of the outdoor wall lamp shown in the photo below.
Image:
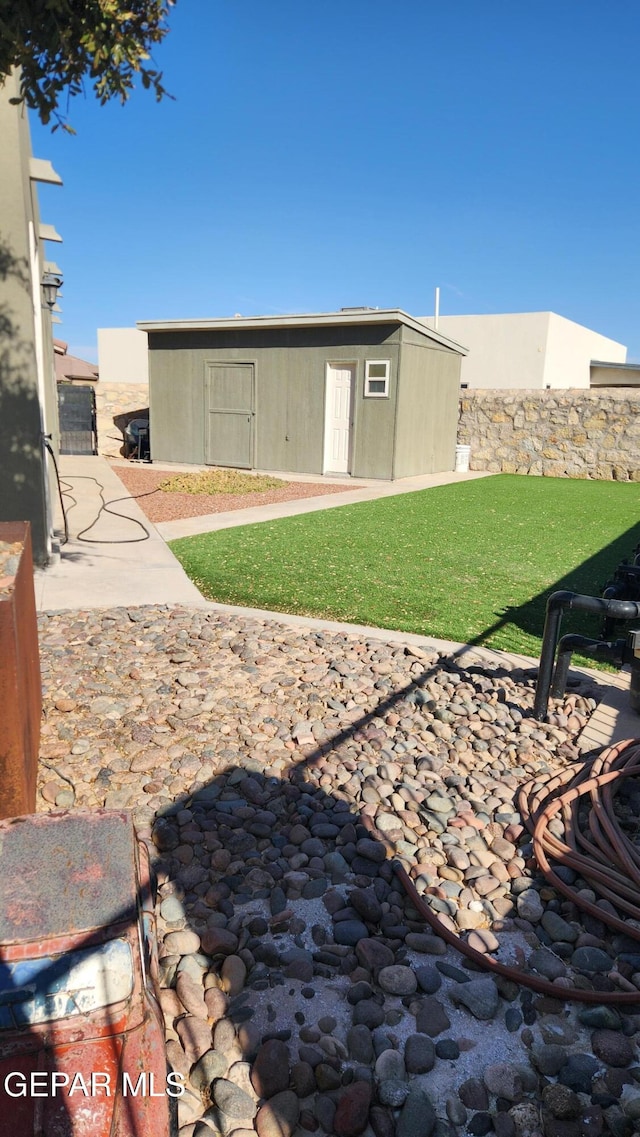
(50, 285)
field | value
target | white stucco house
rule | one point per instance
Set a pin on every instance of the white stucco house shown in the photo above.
(526, 350)
(530, 350)
(123, 355)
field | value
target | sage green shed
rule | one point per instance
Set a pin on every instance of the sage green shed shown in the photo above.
(363, 392)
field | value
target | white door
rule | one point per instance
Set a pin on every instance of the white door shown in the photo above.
(337, 422)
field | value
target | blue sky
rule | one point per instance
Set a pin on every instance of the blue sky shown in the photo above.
(321, 155)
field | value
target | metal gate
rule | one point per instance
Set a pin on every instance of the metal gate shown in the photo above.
(77, 414)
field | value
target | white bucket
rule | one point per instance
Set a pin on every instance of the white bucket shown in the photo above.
(463, 454)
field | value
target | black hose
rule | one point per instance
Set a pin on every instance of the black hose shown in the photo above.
(104, 508)
(46, 438)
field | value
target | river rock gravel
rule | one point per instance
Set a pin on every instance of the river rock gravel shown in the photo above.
(302, 991)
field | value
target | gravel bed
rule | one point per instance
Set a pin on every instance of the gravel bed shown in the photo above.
(302, 992)
(161, 506)
(10, 553)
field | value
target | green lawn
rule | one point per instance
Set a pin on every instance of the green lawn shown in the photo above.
(472, 562)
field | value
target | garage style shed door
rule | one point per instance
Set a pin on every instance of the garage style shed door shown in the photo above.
(229, 414)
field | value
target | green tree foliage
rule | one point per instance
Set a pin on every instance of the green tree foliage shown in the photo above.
(57, 45)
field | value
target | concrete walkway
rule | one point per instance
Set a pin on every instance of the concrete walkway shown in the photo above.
(368, 491)
(613, 719)
(109, 561)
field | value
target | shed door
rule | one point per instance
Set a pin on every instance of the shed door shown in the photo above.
(229, 402)
(337, 422)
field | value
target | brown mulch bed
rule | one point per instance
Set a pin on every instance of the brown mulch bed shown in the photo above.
(161, 506)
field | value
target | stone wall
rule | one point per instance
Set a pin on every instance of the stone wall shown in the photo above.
(560, 434)
(570, 433)
(116, 405)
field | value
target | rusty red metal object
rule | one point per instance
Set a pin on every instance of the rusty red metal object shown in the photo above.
(82, 1049)
(20, 685)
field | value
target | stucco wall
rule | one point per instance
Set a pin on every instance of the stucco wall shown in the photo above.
(626, 375)
(570, 349)
(504, 350)
(531, 350)
(575, 434)
(120, 402)
(123, 355)
(27, 382)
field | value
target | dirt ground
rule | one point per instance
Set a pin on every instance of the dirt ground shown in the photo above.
(142, 483)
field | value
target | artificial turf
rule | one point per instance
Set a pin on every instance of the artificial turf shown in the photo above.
(472, 561)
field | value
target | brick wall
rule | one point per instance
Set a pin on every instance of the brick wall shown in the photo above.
(561, 434)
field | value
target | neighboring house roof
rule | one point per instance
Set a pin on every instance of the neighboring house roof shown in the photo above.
(346, 316)
(617, 366)
(604, 373)
(70, 367)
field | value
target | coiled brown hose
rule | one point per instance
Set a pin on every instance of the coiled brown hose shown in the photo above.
(597, 850)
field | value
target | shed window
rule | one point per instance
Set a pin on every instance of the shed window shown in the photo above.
(376, 378)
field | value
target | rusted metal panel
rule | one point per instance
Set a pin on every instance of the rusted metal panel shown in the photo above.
(82, 1049)
(20, 684)
(83, 872)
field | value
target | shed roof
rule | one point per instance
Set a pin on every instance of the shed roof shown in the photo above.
(347, 316)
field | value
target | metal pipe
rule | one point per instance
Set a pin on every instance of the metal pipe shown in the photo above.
(599, 649)
(557, 603)
(615, 591)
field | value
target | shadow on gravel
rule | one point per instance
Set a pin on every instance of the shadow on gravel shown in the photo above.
(299, 1002)
(285, 887)
(285, 937)
(297, 915)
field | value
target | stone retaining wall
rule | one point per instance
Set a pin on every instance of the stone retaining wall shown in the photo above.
(561, 434)
(572, 433)
(116, 405)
